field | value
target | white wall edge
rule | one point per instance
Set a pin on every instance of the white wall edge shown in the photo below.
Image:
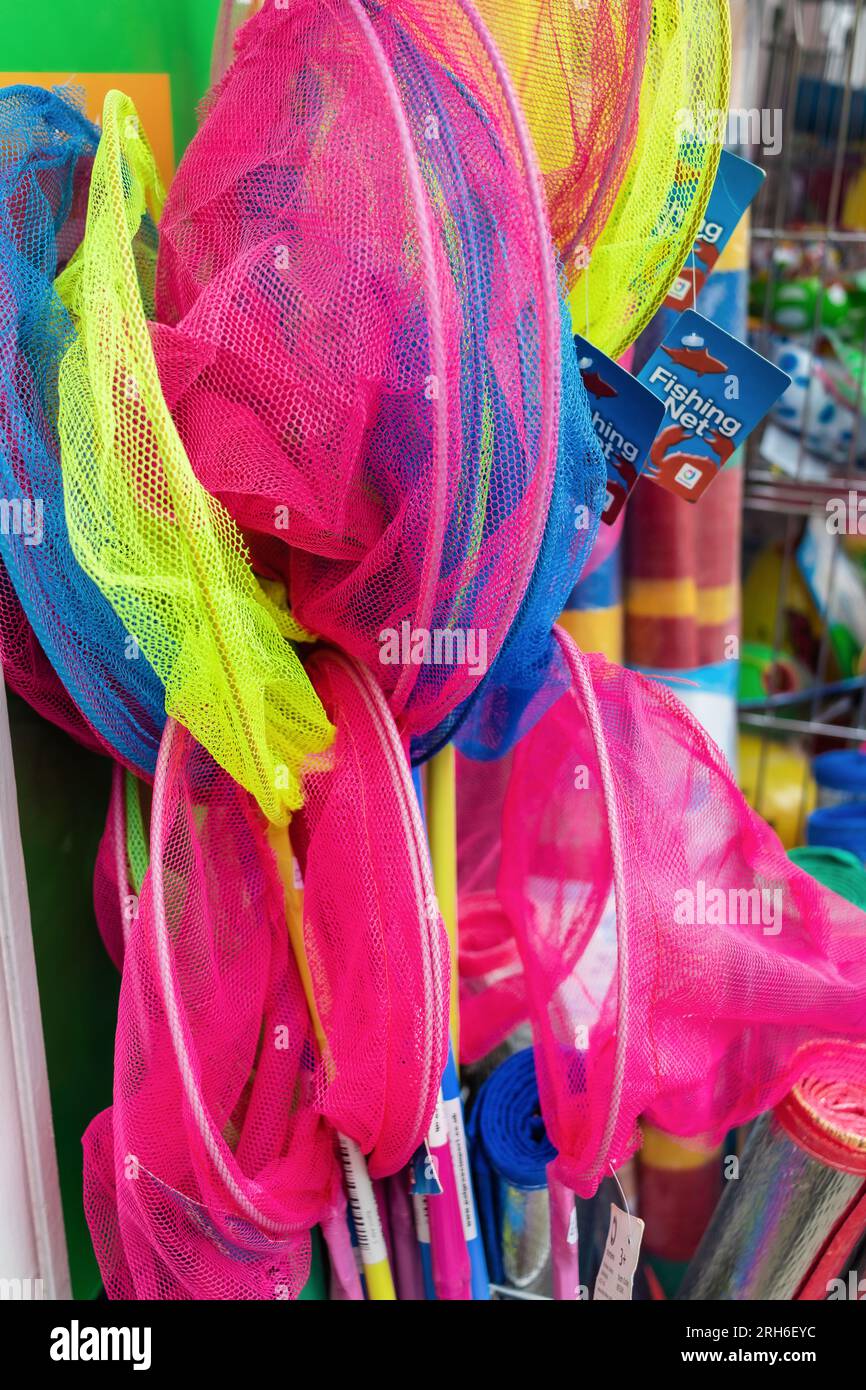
(32, 1237)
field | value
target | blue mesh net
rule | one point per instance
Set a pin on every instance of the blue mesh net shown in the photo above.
(528, 674)
(46, 152)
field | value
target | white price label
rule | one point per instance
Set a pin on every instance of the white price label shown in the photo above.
(619, 1261)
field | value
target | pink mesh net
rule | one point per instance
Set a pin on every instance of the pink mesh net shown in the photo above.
(204, 1177)
(113, 894)
(373, 939)
(369, 165)
(30, 674)
(492, 985)
(675, 963)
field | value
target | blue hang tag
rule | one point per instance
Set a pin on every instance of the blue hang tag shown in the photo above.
(715, 391)
(736, 184)
(424, 1173)
(625, 416)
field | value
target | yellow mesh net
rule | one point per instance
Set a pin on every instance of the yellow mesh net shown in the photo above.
(660, 205)
(576, 66)
(166, 554)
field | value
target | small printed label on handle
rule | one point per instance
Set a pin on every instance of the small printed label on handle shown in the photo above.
(424, 1171)
(438, 1133)
(459, 1157)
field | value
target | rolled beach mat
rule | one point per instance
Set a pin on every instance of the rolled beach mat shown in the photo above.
(510, 1153)
(680, 1182)
(840, 827)
(799, 1197)
(837, 869)
(840, 775)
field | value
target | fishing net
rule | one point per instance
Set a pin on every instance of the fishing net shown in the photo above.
(360, 334)
(30, 674)
(121, 863)
(232, 14)
(528, 674)
(374, 944)
(167, 556)
(206, 1174)
(491, 977)
(652, 226)
(577, 69)
(676, 964)
(78, 656)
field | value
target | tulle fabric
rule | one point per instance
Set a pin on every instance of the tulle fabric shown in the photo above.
(62, 646)
(673, 962)
(373, 941)
(359, 331)
(205, 1176)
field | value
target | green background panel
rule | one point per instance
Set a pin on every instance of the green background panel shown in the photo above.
(173, 36)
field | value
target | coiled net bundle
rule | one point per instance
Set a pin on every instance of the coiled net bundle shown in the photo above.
(167, 556)
(205, 1176)
(63, 646)
(369, 165)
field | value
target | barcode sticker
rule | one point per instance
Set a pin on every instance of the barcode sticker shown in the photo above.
(362, 1200)
(422, 1220)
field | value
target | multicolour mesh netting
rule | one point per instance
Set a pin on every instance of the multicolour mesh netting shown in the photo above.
(102, 690)
(360, 337)
(206, 1174)
(167, 556)
(375, 947)
(112, 880)
(121, 863)
(675, 963)
(577, 68)
(232, 14)
(528, 674)
(30, 674)
(651, 228)
(492, 982)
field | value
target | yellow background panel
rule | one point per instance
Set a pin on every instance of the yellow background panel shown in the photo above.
(151, 92)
